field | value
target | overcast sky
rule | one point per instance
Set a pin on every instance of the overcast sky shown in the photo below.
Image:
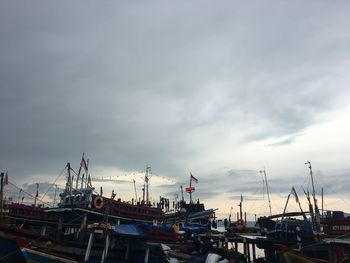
(220, 89)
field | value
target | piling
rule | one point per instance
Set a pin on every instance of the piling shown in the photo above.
(88, 250)
(254, 252)
(146, 255)
(127, 252)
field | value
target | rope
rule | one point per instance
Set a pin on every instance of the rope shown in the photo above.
(52, 184)
(30, 195)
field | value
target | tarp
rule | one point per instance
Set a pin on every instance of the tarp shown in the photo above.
(128, 230)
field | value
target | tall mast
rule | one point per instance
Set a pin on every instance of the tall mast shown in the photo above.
(143, 194)
(54, 199)
(147, 177)
(135, 190)
(240, 208)
(2, 195)
(317, 212)
(37, 193)
(267, 189)
(322, 203)
(69, 182)
(182, 194)
(311, 210)
(190, 190)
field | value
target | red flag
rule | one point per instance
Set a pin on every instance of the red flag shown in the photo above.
(6, 179)
(194, 179)
(293, 192)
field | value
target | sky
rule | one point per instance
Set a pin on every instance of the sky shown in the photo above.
(220, 90)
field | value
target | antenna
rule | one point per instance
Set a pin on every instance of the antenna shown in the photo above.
(267, 189)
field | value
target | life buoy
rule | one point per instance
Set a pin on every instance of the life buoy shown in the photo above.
(240, 223)
(98, 202)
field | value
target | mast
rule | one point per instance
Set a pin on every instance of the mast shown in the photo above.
(285, 209)
(190, 190)
(182, 194)
(147, 177)
(2, 195)
(311, 210)
(229, 218)
(143, 194)
(77, 181)
(298, 201)
(135, 190)
(322, 203)
(267, 189)
(37, 193)
(240, 208)
(317, 212)
(69, 181)
(54, 199)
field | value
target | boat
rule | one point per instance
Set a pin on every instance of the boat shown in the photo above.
(190, 212)
(336, 224)
(133, 229)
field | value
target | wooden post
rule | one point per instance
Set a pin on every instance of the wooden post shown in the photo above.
(127, 252)
(88, 249)
(105, 250)
(248, 248)
(146, 255)
(254, 252)
(226, 243)
(43, 230)
(244, 246)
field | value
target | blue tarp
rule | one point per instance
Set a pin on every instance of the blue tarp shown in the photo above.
(128, 230)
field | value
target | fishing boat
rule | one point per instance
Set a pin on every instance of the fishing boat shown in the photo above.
(133, 229)
(190, 212)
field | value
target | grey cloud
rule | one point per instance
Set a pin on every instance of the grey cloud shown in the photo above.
(136, 83)
(284, 141)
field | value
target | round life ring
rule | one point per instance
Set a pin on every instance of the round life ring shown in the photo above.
(240, 223)
(98, 202)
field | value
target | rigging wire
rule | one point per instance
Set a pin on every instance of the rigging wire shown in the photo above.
(53, 184)
(30, 195)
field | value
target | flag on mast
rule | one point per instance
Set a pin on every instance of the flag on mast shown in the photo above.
(194, 179)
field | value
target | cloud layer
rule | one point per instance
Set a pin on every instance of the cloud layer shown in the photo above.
(179, 86)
